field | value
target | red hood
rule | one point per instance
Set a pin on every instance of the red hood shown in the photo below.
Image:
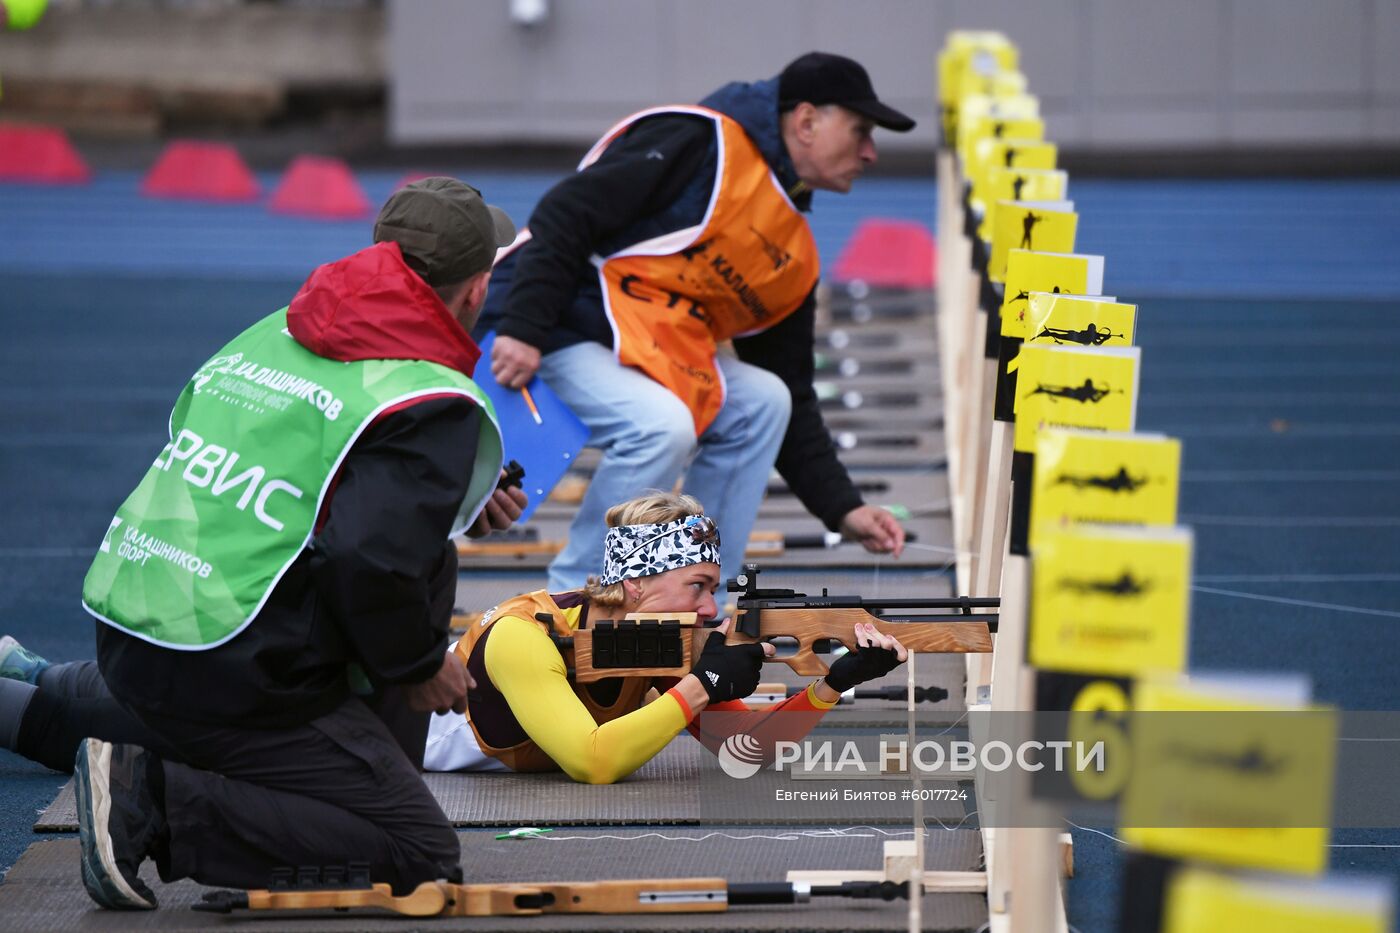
(372, 306)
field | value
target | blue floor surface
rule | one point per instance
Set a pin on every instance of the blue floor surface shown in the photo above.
(1268, 334)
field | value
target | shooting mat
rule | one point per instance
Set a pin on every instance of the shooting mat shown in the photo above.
(43, 892)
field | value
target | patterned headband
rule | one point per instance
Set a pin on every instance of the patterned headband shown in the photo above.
(633, 551)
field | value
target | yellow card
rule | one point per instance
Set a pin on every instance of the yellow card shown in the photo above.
(1039, 226)
(1070, 387)
(1029, 271)
(1102, 477)
(1085, 320)
(1020, 184)
(964, 52)
(999, 83)
(1245, 781)
(1197, 899)
(983, 128)
(1110, 600)
(981, 117)
(1019, 146)
(1015, 152)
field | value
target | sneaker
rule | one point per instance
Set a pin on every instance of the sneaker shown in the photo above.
(19, 663)
(118, 823)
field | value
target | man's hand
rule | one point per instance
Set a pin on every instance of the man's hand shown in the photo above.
(500, 511)
(513, 362)
(875, 528)
(446, 691)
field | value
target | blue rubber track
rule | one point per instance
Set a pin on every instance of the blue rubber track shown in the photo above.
(1248, 239)
(1268, 328)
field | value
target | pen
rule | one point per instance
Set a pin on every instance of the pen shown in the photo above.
(534, 412)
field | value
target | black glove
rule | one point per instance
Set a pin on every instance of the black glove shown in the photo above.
(728, 672)
(860, 666)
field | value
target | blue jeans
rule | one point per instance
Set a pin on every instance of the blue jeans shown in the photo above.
(647, 437)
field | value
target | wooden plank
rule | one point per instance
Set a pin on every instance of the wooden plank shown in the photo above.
(996, 505)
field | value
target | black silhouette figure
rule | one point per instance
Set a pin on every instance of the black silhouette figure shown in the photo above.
(1016, 187)
(1088, 392)
(1116, 482)
(997, 129)
(1090, 336)
(1252, 760)
(1009, 157)
(1027, 225)
(1122, 588)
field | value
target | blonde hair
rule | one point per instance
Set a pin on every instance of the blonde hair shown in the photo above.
(652, 508)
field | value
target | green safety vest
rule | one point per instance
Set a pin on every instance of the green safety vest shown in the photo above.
(255, 439)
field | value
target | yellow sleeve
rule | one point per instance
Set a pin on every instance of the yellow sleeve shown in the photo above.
(528, 670)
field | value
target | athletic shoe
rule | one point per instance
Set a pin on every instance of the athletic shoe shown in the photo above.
(118, 823)
(19, 663)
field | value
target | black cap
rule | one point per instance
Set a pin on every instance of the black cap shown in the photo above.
(823, 78)
(446, 231)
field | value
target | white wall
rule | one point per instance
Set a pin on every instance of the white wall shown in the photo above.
(1113, 75)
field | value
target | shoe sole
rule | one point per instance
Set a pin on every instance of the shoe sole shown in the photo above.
(93, 774)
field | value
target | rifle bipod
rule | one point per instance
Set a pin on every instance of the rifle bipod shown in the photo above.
(656, 895)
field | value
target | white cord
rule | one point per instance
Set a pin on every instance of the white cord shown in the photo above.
(1307, 603)
(1099, 832)
(914, 545)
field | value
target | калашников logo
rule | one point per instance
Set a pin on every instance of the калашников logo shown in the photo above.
(741, 756)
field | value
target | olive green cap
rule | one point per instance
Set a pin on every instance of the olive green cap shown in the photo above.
(446, 231)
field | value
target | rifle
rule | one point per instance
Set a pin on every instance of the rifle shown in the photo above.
(816, 621)
(307, 890)
(665, 644)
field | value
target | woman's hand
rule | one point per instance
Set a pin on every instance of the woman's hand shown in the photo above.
(875, 655)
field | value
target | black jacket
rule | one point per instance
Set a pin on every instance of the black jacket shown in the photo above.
(377, 584)
(656, 179)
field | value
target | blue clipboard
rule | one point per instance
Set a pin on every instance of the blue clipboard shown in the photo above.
(545, 449)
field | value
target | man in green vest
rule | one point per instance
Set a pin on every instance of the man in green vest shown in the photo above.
(287, 552)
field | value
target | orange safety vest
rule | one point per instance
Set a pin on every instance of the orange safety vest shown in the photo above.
(748, 264)
(526, 755)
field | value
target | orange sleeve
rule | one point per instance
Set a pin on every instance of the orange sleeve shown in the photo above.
(787, 721)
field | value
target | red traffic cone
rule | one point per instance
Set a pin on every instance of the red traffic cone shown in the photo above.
(201, 171)
(888, 254)
(314, 186)
(39, 154)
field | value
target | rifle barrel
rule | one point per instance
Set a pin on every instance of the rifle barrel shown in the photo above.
(798, 601)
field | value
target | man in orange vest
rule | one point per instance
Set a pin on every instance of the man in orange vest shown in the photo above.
(683, 230)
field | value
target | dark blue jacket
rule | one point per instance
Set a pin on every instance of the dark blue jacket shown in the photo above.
(653, 180)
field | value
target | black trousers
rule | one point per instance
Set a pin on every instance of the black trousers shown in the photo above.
(73, 703)
(242, 802)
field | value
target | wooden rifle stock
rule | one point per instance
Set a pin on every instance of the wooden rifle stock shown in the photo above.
(639, 896)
